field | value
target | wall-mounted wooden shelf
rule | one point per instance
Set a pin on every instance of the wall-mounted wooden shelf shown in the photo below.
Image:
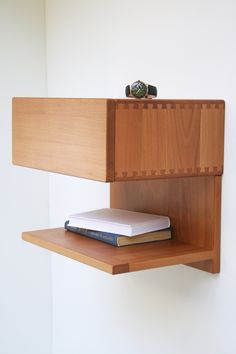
(142, 146)
(117, 260)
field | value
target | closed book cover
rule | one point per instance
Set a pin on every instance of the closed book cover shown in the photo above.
(119, 221)
(120, 240)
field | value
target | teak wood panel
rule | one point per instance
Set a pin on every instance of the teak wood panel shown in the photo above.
(164, 138)
(192, 203)
(70, 136)
(116, 260)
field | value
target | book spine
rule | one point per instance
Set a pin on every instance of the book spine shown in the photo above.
(106, 237)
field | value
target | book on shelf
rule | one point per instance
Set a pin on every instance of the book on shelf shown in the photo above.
(119, 221)
(121, 240)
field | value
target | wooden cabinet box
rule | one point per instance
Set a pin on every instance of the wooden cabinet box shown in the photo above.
(119, 139)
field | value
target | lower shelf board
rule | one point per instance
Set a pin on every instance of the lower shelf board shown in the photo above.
(116, 260)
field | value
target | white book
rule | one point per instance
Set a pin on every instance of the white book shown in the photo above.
(119, 221)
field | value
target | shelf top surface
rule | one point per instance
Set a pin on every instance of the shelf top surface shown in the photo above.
(126, 100)
(113, 259)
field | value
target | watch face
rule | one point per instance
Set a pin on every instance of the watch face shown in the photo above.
(138, 89)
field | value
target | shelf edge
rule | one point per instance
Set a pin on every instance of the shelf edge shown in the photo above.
(26, 236)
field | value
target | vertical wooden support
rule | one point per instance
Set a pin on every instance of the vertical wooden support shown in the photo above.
(193, 204)
(213, 266)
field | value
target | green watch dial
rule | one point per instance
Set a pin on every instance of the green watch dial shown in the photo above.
(139, 89)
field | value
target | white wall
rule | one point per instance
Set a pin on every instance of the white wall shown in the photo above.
(25, 289)
(188, 49)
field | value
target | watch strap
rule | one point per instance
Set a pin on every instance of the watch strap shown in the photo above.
(127, 91)
(152, 91)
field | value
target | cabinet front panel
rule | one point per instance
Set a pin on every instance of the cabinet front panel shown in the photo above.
(68, 136)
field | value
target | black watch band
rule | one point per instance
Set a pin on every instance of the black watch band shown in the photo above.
(127, 91)
(152, 90)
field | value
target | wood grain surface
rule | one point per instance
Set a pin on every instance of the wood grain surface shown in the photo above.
(168, 138)
(69, 136)
(115, 139)
(116, 260)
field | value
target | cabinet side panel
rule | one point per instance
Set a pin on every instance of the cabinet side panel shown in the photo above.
(67, 136)
(213, 265)
(159, 138)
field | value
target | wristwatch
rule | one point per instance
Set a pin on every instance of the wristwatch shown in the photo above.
(140, 90)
